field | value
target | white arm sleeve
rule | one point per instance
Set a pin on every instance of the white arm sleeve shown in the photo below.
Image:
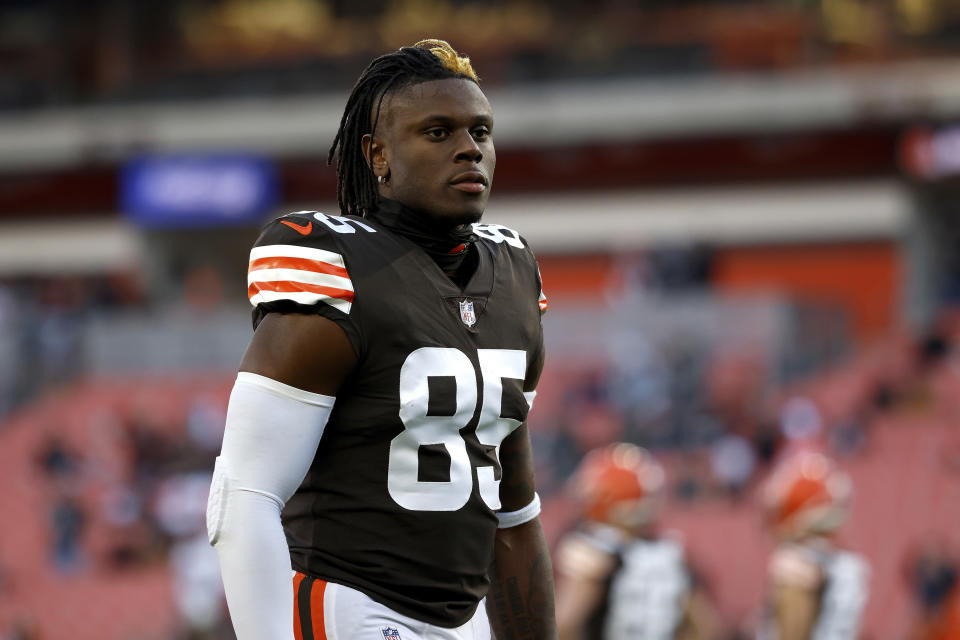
(271, 436)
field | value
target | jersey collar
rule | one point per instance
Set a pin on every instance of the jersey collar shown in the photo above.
(448, 247)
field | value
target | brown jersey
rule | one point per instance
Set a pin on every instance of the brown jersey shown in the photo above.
(401, 499)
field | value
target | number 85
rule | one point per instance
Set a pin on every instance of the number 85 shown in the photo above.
(422, 429)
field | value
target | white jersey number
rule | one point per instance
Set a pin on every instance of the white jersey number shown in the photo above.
(403, 482)
(340, 224)
(646, 595)
(498, 233)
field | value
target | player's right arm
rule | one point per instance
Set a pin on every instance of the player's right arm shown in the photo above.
(308, 352)
(796, 584)
(277, 412)
(582, 573)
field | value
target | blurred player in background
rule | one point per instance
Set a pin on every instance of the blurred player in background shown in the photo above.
(817, 591)
(932, 575)
(384, 395)
(618, 577)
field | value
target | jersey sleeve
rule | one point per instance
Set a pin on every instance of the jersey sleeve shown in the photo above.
(542, 300)
(296, 266)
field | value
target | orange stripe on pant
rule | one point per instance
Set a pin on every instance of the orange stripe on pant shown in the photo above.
(316, 607)
(297, 631)
(308, 623)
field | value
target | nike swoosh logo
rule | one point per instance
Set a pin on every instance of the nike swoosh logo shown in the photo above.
(303, 230)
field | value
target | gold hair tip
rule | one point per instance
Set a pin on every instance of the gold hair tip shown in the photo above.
(449, 57)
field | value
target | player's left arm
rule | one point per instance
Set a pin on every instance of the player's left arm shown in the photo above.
(520, 604)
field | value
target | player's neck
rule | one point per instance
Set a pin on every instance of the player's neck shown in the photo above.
(449, 247)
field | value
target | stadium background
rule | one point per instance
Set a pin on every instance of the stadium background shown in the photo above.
(746, 214)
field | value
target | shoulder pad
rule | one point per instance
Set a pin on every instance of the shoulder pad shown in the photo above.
(308, 227)
(789, 565)
(297, 259)
(500, 234)
(578, 558)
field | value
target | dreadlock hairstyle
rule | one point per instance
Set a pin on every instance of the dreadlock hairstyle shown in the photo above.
(424, 61)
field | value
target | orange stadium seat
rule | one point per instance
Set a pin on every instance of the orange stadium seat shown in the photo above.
(94, 602)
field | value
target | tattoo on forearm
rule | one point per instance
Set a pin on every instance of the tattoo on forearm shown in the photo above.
(510, 618)
(520, 617)
(540, 593)
(523, 609)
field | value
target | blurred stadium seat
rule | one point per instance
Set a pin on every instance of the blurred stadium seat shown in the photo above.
(117, 583)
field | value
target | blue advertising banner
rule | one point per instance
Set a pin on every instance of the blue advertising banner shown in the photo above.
(198, 189)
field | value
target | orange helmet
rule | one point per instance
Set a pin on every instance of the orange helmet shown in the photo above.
(807, 494)
(620, 484)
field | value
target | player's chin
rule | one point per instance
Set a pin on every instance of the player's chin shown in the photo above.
(465, 211)
(472, 206)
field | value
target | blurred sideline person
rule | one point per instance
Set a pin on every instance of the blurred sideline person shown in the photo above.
(618, 579)
(817, 591)
(382, 401)
(932, 574)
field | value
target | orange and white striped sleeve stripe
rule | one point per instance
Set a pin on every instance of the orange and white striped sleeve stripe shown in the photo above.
(542, 301)
(300, 274)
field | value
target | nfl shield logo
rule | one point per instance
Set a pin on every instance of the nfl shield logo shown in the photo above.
(390, 634)
(467, 314)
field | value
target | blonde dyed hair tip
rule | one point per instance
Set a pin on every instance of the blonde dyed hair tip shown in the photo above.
(449, 57)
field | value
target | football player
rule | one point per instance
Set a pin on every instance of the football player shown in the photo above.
(375, 439)
(617, 577)
(817, 591)
(932, 573)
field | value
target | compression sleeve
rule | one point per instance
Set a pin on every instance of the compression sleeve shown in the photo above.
(271, 436)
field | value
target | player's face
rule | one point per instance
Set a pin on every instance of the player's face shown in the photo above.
(437, 141)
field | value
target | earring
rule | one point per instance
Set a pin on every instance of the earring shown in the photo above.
(382, 179)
